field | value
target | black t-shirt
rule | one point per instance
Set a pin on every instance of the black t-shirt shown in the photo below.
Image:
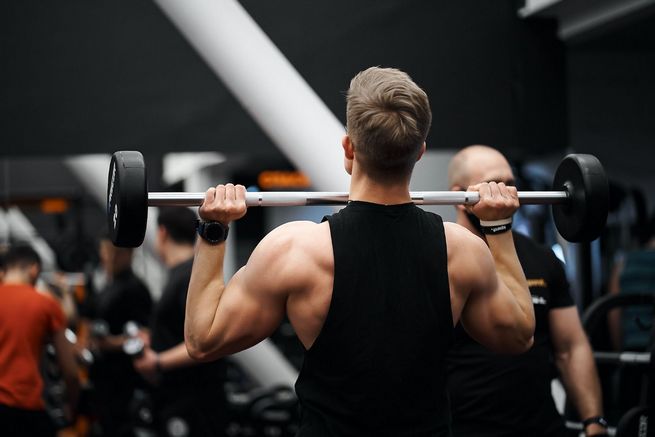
(202, 381)
(377, 367)
(126, 298)
(502, 395)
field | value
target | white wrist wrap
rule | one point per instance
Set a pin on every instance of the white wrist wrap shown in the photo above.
(489, 223)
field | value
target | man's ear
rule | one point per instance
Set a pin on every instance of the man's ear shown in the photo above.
(421, 152)
(162, 233)
(348, 149)
(348, 154)
(33, 271)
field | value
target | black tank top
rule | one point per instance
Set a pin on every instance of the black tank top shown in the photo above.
(377, 367)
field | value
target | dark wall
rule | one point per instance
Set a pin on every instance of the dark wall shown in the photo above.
(85, 76)
(612, 102)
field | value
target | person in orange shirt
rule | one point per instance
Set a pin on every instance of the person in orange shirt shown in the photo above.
(28, 319)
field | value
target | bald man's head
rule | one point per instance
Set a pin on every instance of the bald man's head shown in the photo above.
(478, 163)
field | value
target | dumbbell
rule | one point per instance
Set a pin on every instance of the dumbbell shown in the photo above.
(133, 346)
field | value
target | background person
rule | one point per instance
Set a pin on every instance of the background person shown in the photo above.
(124, 298)
(374, 291)
(630, 327)
(500, 395)
(634, 272)
(183, 388)
(29, 319)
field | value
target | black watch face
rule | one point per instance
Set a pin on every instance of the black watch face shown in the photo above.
(214, 232)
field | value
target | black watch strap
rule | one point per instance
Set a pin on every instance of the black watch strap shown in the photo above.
(599, 420)
(212, 232)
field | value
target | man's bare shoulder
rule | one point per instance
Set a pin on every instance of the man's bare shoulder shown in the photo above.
(291, 251)
(298, 241)
(457, 236)
(465, 250)
(296, 233)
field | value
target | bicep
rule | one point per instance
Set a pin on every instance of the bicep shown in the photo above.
(488, 313)
(480, 315)
(252, 304)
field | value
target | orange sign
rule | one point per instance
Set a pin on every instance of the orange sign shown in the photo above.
(54, 206)
(279, 179)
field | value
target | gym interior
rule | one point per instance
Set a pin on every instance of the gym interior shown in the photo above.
(254, 93)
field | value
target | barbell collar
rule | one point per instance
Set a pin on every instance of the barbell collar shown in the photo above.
(302, 198)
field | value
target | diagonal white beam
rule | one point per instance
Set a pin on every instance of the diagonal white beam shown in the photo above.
(266, 85)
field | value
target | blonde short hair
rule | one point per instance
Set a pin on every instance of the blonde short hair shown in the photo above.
(388, 118)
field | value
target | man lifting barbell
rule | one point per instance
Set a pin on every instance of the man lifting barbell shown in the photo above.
(367, 291)
(374, 292)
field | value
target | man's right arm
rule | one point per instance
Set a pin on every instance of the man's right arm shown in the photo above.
(498, 310)
(497, 307)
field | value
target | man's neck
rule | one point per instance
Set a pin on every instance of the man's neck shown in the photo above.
(16, 278)
(365, 189)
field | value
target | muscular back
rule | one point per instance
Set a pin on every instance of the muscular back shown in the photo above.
(471, 271)
(291, 272)
(298, 261)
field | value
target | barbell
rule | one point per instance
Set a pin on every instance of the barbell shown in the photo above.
(580, 202)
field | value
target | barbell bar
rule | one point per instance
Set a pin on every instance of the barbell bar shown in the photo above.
(580, 198)
(302, 198)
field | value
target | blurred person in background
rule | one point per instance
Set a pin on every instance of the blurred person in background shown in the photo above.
(58, 286)
(184, 389)
(29, 319)
(501, 395)
(634, 272)
(124, 298)
(630, 327)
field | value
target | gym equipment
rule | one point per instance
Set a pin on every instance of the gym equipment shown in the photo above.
(634, 421)
(263, 411)
(133, 345)
(579, 207)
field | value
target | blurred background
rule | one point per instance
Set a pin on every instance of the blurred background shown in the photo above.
(537, 79)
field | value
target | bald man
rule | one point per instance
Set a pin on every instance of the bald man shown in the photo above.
(501, 395)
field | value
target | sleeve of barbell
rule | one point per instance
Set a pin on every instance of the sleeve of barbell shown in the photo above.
(622, 357)
(301, 198)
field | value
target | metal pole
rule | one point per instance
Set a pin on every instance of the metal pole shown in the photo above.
(300, 198)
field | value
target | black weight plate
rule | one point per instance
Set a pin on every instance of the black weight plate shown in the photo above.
(634, 422)
(584, 216)
(127, 199)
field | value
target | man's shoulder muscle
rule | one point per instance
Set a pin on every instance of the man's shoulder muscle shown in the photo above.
(462, 244)
(291, 252)
(470, 264)
(297, 235)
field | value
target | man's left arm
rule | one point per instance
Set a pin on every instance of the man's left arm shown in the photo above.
(151, 364)
(575, 361)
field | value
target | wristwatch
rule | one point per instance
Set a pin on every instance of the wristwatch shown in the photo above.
(212, 232)
(599, 420)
